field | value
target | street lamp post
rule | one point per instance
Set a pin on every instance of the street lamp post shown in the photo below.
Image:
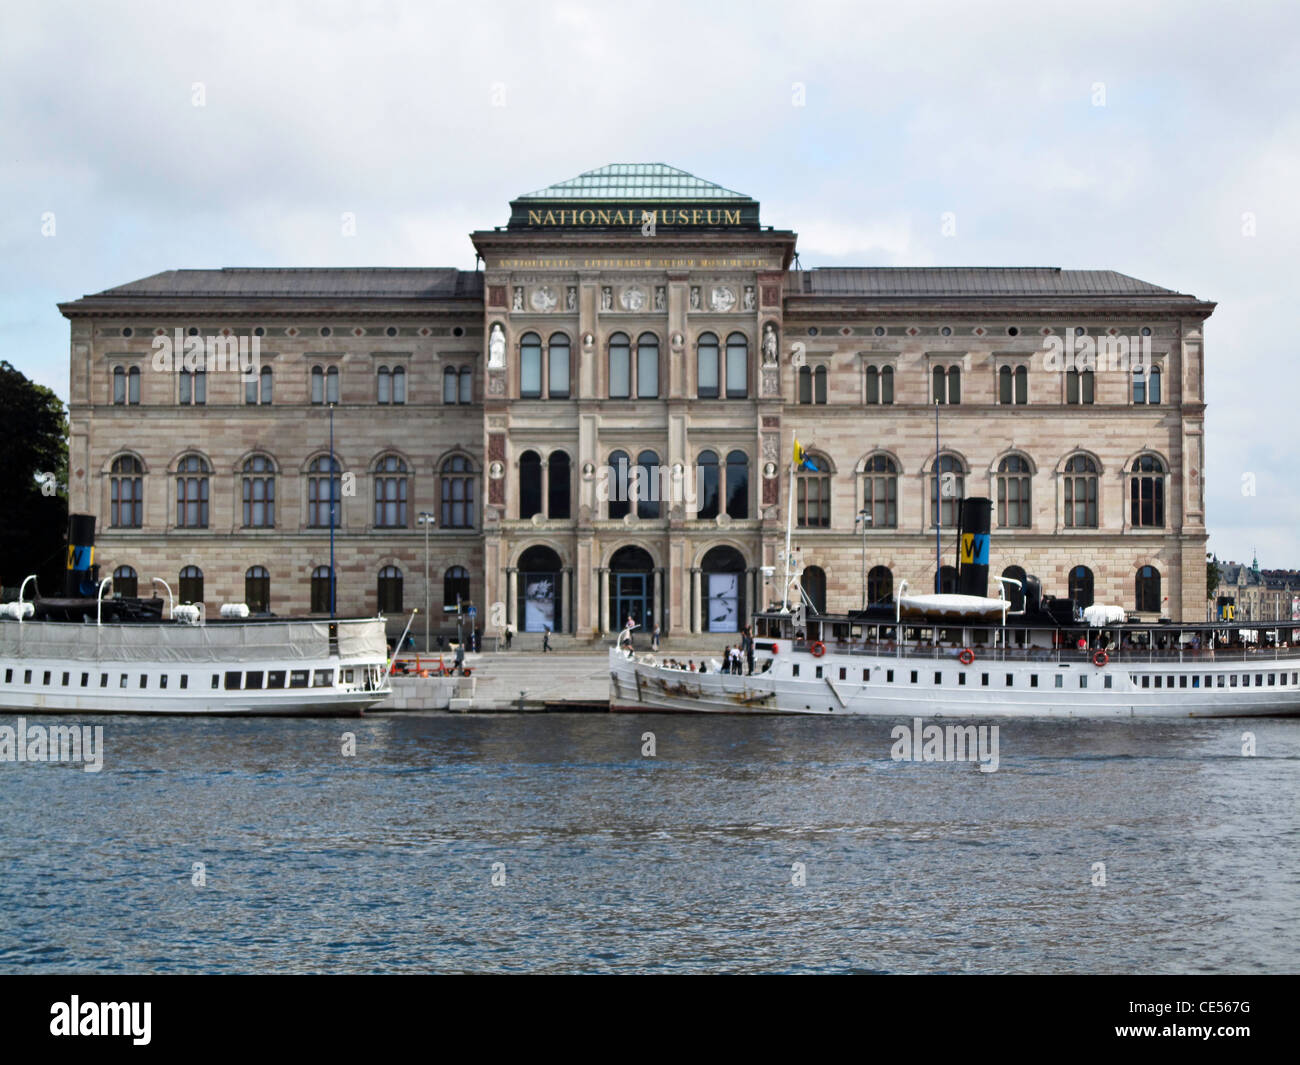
(426, 519)
(863, 518)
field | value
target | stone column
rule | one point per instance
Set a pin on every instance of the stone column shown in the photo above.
(695, 600)
(657, 610)
(512, 597)
(546, 491)
(603, 605)
(566, 623)
(751, 595)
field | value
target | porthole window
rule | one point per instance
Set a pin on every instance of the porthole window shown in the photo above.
(812, 330)
(946, 331)
(1146, 330)
(128, 331)
(194, 330)
(391, 330)
(458, 331)
(259, 332)
(880, 330)
(1079, 331)
(1012, 331)
(325, 331)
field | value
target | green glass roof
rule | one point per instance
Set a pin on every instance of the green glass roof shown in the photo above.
(635, 181)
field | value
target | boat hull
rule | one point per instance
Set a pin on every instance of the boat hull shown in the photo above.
(643, 685)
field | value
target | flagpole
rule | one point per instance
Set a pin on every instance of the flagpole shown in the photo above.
(938, 502)
(789, 525)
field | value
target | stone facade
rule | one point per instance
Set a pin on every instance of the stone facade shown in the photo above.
(563, 394)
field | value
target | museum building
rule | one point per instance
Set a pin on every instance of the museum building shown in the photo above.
(599, 422)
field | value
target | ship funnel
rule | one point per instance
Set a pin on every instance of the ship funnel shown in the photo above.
(81, 580)
(973, 546)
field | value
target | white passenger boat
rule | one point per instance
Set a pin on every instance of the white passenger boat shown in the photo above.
(118, 655)
(971, 655)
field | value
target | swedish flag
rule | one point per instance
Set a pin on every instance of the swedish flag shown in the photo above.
(801, 459)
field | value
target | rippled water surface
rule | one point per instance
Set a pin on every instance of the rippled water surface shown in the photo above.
(684, 861)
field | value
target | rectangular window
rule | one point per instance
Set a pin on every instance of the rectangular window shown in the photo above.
(961, 679)
(9, 676)
(65, 679)
(1233, 683)
(298, 678)
(620, 373)
(232, 680)
(707, 374)
(1271, 678)
(1158, 680)
(144, 680)
(324, 678)
(647, 373)
(162, 681)
(938, 678)
(122, 681)
(1196, 682)
(1033, 680)
(103, 680)
(253, 679)
(1219, 682)
(1259, 680)
(1010, 679)
(866, 675)
(216, 681)
(1083, 680)
(819, 672)
(85, 680)
(530, 374)
(843, 673)
(185, 680)
(275, 678)
(1060, 681)
(794, 670)
(889, 676)
(913, 676)
(1182, 681)
(984, 680)
(1108, 679)
(738, 371)
(558, 366)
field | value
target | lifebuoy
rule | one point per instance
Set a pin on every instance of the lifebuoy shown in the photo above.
(966, 657)
(1100, 658)
(817, 648)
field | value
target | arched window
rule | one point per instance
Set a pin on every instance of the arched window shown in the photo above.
(1148, 590)
(617, 484)
(947, 384)
(1022, 384)
(947, 580)
(880, 491)
(1080, 493)
(125, 582)
(1013, 493)
(947, 482)
(880, 585)
(1013, 385)
(133, 386)
(257, 387)
(737, 485)
(126, 493)
(449, 393)
(323, 492)
(1147, 492)
(1146, 384)
(259, 492)
(620, 366)
(457, 493)
(390, 590)
(709, 485)
(647, 494)
(707, 377)
(1153, 385)
(193, 386)
(257, 590)
(391, 490)
(455, 588)
(813, 580)
(530, 366)
(813, 495)
(558, 486)
(557, 356)
(880, 384)
(1080, 386)
(530, 484)
(737, 366)
(647, 366)
(1081, 586)
(267, 383)
(399, 384)
(1015, 593)
(1004, 384)
(812, 384)
(332, 385)
(321, 590)
(190, 586)
(192, 493)
(317, 384)
(385, 385)
(466, 385)
(119, 385)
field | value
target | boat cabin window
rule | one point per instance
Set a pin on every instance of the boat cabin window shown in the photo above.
(275, 678)
(216, 680)
(794, 670)
(9, 676)
(298, 678)
(1033, 680)
(65, 679)
(324, 678)
(122, 680)
(85, 679)
(961, 678)
(162, 681)
(1146, 680)
(144, 680)
(1182, 681)
(47, 677)
(984, 680)
(185, 680)
(253, 678)
(1234, 681)
(1270, 679)
(27, 676)
(348, 676)
(1108, 683)
(866, 675)
(1083, 680)
(1219, 683)
(103, 680)
(232, 680)
(913, 676)
(1259, 680)
(938, 678)
(1010, 679)
(889, 676)
(819, 672)
(1060, 681)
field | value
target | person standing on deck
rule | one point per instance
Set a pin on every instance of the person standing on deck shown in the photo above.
(747, 644)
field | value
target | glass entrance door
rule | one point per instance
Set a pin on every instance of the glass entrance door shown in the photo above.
(631, 594)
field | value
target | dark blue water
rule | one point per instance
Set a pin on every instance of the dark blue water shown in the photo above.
(383, 862)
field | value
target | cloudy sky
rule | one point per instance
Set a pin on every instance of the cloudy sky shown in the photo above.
(389, 110)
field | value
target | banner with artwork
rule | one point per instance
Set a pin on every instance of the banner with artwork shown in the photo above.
(724, 602)
(539, 602)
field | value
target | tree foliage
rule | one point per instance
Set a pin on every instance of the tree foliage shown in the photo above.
(33, 509)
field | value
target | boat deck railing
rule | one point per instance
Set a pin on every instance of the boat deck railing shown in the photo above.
(1117, 655)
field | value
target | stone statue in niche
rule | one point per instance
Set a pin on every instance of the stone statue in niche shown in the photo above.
(571, 299)
(518, 302)
(497, 348)
(659, 297)
(695, 297)
(606, 298)
(769, 345)
(749, 297)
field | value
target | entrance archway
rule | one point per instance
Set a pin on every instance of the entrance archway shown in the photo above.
(631, 588)
(540, 594)
(725, 608)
